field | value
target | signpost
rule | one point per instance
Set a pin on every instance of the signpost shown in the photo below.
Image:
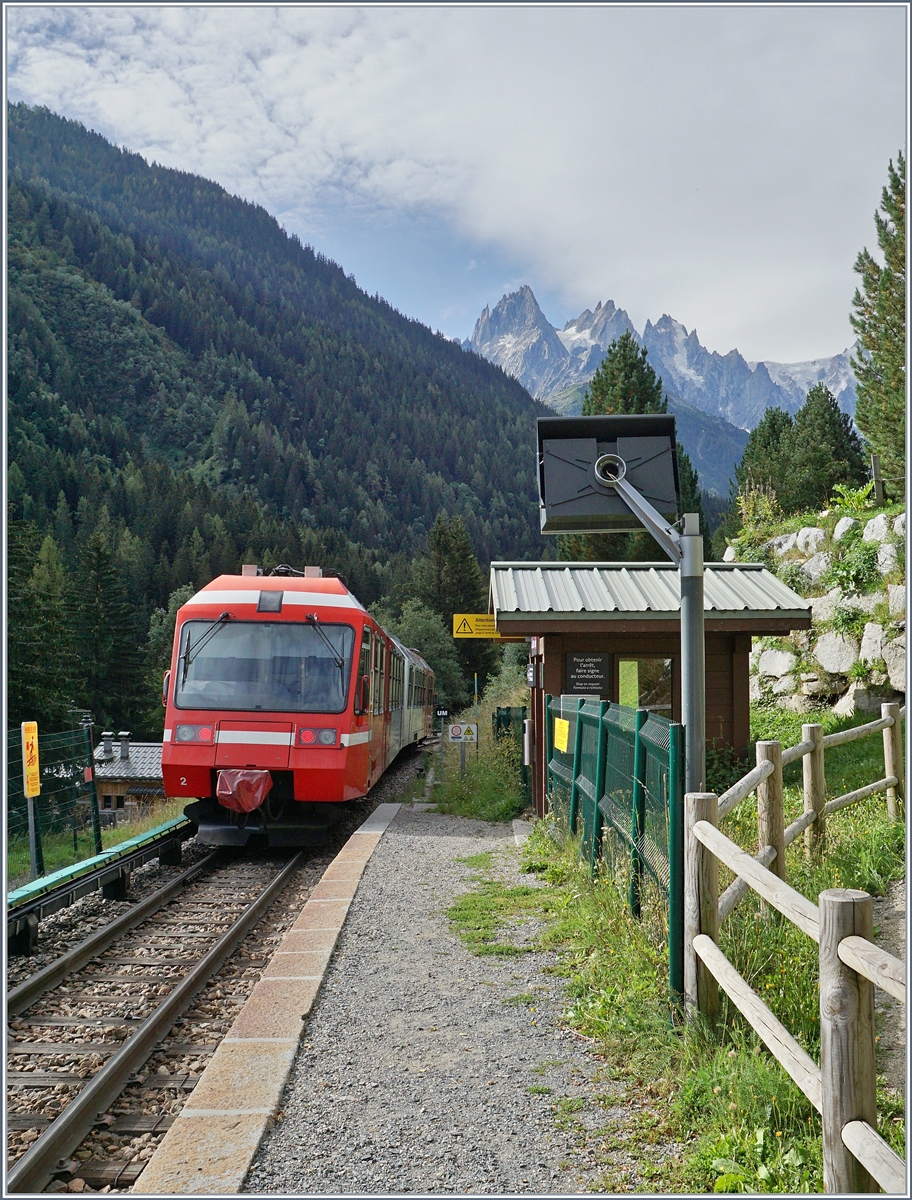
(31, 782)
(441, 712)
(463, 734)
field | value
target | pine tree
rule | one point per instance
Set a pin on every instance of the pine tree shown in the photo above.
(447, 579)
(106, 638)
(40, 670)
(624, 382)
(880, 322)
(765, 459)
(822, 449)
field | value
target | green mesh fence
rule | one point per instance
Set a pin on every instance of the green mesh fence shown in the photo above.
(619, 784)
(67, 828)
(509, 722)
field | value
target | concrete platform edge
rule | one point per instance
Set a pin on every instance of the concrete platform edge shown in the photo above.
(209, 1148)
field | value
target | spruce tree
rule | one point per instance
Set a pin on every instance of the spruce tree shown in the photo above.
(880, 322)
(447, 579)
(624, 382)
(822, 450)
(765, 459)
(108, 652)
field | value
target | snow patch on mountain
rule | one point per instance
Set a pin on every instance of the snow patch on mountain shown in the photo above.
(518, 337)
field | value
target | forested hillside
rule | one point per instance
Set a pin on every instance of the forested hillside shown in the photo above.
(169, 342)
(189, 389)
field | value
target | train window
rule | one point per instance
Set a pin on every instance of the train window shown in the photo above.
(378, 673)
(364, 663)
(264, 666)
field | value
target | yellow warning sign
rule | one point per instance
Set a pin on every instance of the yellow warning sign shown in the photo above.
(561, 735)
(31, 774)
(475, 625)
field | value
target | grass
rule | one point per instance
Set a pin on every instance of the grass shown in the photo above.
(480, 916)
(491, 789)
(741, 1123)
(58, 850)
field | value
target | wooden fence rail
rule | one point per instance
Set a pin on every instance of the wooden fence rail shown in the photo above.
(843, 1088)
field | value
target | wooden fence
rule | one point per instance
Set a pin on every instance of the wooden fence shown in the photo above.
(843, 1087)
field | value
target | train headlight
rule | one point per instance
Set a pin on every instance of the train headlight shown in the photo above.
(193, 733)
(318, 737)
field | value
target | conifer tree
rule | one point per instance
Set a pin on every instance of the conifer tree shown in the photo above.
(822, 450)
(106, 638)
(880, 322)
(447, 579)
(624, 382)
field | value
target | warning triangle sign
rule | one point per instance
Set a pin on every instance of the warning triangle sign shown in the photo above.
(469, 733)
(464, 626)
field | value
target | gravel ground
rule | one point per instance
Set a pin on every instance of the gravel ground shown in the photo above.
(890, 918)
(428, 1069)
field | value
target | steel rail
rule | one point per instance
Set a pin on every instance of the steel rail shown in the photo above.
(35, 1169)
(26, 993)
(65, 894)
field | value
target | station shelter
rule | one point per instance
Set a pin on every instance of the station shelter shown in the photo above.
(612, 631)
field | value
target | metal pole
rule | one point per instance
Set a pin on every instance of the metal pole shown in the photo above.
(638, 812)
(693, 655)
(462, 760)
(676, 755)
(33, 838)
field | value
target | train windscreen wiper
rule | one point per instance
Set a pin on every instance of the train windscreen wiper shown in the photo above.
(203, 640)
(333, 652)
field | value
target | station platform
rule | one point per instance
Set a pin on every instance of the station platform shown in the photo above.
(377, 1054)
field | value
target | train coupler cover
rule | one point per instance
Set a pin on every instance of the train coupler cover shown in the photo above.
(242, 790)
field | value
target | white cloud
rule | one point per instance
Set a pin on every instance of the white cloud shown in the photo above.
(721, 164)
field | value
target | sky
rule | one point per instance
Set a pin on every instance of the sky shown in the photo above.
(719, 163)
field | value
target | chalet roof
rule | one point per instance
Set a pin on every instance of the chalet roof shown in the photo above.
(545, 593)
(144, 761)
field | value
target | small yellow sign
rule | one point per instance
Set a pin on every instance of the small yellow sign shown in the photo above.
(475, 625)
(31, 773)
(561, 735)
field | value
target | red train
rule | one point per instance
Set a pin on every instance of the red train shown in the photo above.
(285, 698)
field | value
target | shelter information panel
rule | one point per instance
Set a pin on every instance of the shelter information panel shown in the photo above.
(588, 674)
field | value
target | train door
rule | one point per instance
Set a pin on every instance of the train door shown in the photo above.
(361, 760)
(379, 708)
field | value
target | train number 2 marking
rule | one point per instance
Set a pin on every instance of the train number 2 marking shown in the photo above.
(183, 780)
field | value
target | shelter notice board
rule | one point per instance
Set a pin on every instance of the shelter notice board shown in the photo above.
(588, 674)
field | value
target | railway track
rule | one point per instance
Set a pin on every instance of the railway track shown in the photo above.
(83, 1028)
(106, 1042)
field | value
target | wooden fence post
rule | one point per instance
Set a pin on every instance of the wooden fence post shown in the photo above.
(893, 761)
(814, 791)
(770, 821)
(701, 905)
(847, 1067)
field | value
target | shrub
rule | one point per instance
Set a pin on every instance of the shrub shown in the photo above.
(491, 789)
(793, 576)
(724, 767)
(846, 499)
(856, 569)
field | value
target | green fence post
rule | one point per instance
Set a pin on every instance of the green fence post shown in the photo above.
(577, 748)
(549, 748)
(90, 773)
(676, 755)
(601, 748)
(638, 813)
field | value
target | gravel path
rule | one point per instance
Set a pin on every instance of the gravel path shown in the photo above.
(428, 1069)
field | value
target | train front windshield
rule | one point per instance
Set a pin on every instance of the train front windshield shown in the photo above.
(268, 666)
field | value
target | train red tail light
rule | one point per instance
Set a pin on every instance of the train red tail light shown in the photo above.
(317, 737)
(193, 733)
